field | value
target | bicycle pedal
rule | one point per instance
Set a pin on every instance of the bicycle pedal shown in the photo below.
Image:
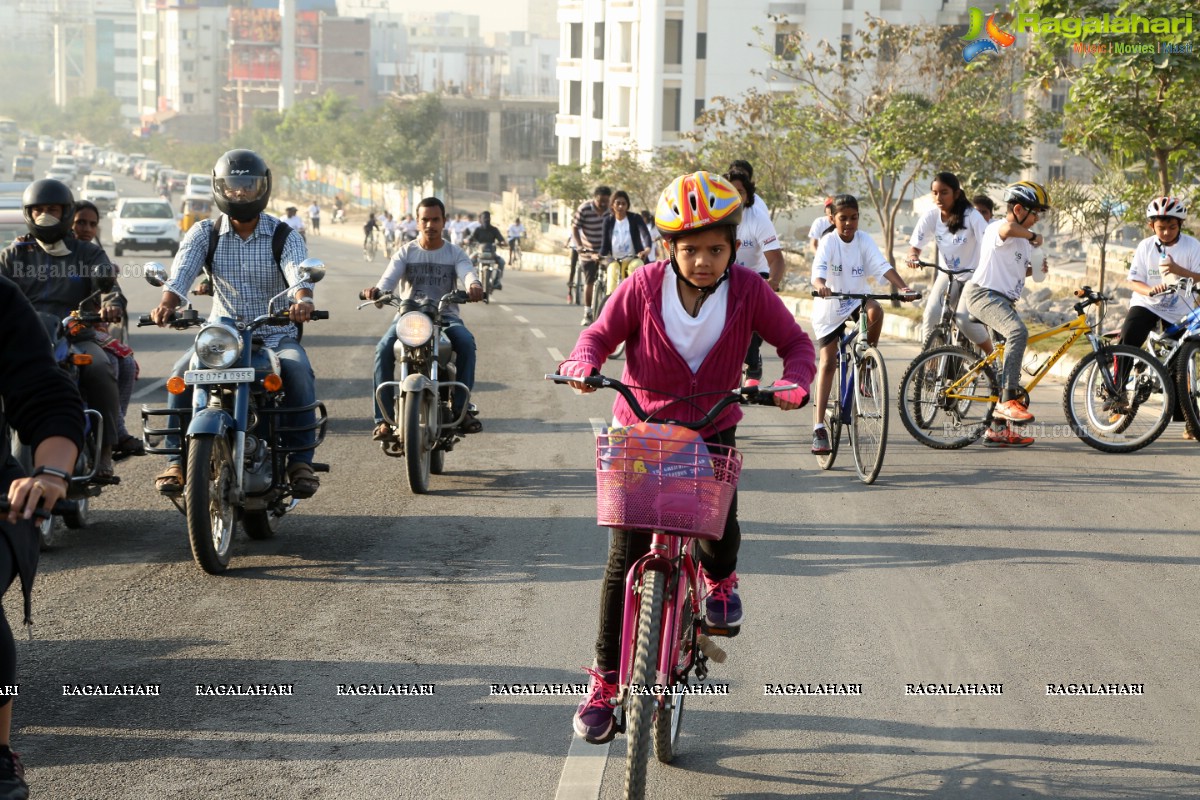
(728, 632)
(710, 649)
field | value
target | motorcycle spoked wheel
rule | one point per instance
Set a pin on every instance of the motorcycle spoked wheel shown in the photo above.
(211, 519)
(415, 424)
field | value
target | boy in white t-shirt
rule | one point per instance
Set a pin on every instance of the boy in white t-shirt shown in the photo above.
(821, 225)
(1158, 262)
(992, 293)
(845, 259)
(758, 249)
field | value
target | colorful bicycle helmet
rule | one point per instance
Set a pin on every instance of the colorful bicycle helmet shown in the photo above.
(1027, 193)
(697, 202)
(1166, 207)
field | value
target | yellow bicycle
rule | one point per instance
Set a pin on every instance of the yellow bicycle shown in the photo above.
(1118, 398)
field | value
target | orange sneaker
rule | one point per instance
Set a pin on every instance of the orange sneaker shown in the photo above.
(1005, 438)
(1013, 411)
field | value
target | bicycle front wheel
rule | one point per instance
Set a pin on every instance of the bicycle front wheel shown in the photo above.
(1187, 384)
(945, 403)
(869, 422)
(640, 701)
(668, 722)
(1118, 399)
(833, 427)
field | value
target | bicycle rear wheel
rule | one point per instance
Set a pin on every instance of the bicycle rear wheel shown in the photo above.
(833, 427)
(937, 419)
(640, 702)
(1132, 417)
(668, 722)
(935, 339)
(869, 422)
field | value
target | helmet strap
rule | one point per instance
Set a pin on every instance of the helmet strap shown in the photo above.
(705, 291)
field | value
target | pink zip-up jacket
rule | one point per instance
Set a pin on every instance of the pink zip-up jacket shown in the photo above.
(634, 315)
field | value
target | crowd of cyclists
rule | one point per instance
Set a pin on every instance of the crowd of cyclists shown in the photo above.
(692, 294)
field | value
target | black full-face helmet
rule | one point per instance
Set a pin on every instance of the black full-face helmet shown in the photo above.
(49, 192)
(241, 185)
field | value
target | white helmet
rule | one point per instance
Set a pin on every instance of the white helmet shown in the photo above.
(1166, 207)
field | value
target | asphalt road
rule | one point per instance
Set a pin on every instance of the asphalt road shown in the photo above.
(1051, 565)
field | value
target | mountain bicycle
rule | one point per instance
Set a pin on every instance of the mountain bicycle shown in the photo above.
(600, 293)
(860, 402)
(514, 252)
(576, 289)
(946, 331)
(1118, 398)
(677, 490)
(370, 247)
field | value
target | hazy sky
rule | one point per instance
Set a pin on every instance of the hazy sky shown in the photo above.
(494, 15)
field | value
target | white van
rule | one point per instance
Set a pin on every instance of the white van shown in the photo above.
(199, 183)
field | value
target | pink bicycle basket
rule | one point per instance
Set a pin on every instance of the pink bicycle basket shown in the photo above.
(675, 484)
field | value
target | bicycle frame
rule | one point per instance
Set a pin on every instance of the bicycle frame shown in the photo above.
(849, 353)
(1077, 327)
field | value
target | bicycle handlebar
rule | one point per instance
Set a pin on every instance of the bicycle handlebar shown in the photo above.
(907, 298)
(746, 395)
(939, 268)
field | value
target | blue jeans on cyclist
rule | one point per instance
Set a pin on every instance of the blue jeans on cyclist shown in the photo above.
(723, 607)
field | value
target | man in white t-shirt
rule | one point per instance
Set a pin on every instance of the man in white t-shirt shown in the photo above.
(992, 293)
(314, 218)
(293, 220)
(515, 233)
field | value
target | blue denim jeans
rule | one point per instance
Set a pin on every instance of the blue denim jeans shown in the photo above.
(300, 389)
(461, 341)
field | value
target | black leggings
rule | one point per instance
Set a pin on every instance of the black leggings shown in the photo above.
(1139, 322)
(8, 646)
(718, 558)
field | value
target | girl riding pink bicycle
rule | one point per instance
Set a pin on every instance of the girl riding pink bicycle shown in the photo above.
(687, 323)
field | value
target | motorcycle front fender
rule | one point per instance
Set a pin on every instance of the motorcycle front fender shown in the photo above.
(418, 383)
(210, 422)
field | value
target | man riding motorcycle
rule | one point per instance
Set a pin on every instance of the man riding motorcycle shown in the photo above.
(244, 277)
(58, 272)
(486, 234)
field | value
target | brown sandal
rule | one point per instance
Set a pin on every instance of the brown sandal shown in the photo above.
(170, 480)
(304, 481)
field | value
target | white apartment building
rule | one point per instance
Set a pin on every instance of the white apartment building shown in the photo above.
(639, 72)
(183, 62)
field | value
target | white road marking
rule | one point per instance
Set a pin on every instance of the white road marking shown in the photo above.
(154, 387)
(537, 333)
(583, 771)
(557, 356)
(506, 308)
(519, 318)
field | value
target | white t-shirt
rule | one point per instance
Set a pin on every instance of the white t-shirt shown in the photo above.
(314, 211)
(818, 227)
(295, 223)
(516, 231)
(1144, 267)
(693, 337)
(409, 226)
(757, 234)
(1002, 263)
(390, 226)
(622, 240)
(956, 251)
(845, 266)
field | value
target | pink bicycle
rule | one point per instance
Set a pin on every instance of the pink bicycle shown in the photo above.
(678, 488)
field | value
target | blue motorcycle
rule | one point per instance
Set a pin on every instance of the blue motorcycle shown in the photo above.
(233, 451)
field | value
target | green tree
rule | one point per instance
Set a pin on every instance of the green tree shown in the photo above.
(570, 183)
(643, 178)
(899, 106)
(402, 141)
(1125, 107)
(778, 136)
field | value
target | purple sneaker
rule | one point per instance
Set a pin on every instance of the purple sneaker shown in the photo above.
(594, 719)
(722, 606)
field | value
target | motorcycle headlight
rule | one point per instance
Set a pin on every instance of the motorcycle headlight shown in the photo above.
(414, 328)
(218, 346)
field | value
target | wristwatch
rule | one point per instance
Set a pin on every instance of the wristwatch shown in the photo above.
(57, 473)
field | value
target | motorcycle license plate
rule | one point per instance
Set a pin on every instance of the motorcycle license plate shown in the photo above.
(202, 376)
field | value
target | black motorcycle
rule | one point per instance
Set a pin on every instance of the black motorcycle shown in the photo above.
(487, 268)
(425, 428)
(231, 443)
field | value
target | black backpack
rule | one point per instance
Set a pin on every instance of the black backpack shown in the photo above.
(278, 240)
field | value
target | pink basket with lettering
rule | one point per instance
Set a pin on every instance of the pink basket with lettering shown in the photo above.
(664, 477)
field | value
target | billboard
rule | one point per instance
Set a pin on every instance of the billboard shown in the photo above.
(254, 44)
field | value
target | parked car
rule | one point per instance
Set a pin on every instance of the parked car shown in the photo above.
(144, 223)
(101, 190)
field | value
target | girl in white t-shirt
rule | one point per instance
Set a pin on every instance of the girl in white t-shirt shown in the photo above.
(958, 229)
(845, 259)
(758, 249)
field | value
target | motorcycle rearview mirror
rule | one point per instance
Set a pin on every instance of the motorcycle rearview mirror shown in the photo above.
(155, 273)
(312, 270)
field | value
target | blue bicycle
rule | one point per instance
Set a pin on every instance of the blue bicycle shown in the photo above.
(860, 401)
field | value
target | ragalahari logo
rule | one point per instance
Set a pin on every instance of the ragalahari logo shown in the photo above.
(988, 44)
